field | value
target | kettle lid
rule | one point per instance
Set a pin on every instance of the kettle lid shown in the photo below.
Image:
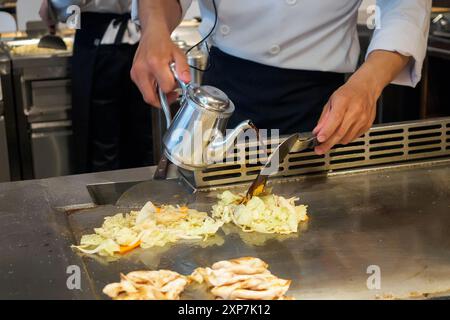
(210, 98)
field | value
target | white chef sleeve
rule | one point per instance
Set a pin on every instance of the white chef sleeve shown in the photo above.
(403, 28)
(185, 4)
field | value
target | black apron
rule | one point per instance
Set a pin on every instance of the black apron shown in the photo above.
(273, 98)
(112, 123)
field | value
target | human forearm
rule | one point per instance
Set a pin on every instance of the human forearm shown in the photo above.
(159, 15)
(403, 27)
(156, 50)
(379, 70)
(351, 110)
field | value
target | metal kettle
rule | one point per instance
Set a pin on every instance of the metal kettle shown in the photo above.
(196, 137)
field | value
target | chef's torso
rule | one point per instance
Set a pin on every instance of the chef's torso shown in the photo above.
(107, 6)
(294, 34)
(119, 7)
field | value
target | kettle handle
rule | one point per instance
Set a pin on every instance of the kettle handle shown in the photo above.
(163, 98)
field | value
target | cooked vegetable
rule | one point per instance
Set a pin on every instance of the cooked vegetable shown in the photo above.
(158, 226)
(267, 213)
(147, 228)
(125, 249)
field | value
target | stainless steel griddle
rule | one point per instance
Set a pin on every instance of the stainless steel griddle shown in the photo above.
(395, 218)
(388, 206)
(384, 202)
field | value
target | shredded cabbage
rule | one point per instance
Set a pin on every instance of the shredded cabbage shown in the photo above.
(267, 213)
(156, 227)
(149, 227)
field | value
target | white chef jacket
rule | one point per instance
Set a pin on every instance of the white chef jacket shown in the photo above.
(105, 6)
(131, 35)
(314, 34)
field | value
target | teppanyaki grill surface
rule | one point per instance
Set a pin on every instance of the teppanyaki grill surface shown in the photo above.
(395, 222)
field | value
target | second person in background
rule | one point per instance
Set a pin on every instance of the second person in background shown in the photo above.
(111, 121)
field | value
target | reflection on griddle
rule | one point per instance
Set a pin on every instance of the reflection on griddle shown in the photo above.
(151, 257)
(260, 239)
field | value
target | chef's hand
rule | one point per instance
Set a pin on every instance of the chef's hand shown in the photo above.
(44, 13)
(349, 113)
(351, 110)
(157, 51)
(151, 67)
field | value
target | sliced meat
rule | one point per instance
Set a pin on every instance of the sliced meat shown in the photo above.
(147, 285)
(242, 279)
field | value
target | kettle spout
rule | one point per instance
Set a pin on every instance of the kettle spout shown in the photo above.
(220, 145)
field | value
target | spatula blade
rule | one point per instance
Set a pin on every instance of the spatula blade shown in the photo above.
(275, 159)
(50, 41)
(172, 191)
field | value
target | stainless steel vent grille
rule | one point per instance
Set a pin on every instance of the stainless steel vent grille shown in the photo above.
(383, 144)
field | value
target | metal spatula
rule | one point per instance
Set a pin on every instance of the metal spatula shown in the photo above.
(52, 41)
(172, 191)
(295, 143)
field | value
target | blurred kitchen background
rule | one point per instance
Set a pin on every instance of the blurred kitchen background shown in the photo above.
(35, 88)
